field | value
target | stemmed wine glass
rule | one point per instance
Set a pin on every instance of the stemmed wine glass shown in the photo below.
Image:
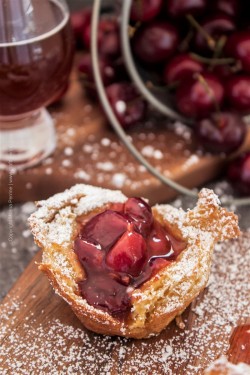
(36, 51)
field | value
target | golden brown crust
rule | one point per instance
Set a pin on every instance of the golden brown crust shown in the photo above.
(159, 300)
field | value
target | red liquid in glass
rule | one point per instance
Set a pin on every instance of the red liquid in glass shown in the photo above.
(34, 72)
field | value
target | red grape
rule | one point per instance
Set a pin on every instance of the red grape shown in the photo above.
(238, 92)
(239, 173)
(127, 104)
(145, 10)
(238, 46)
(215, 26)
(229, 7)
(155, 42)
(108, 37)
(179, 8)
(107, 69)
(79, 21)
(222, 132)
(180, 67)
(198, 97)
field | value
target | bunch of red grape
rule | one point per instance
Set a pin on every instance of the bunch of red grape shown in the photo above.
(127, 103)
(200, 50)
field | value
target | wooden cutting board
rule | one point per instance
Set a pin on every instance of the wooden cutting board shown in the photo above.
(39, 334)
(88, 151)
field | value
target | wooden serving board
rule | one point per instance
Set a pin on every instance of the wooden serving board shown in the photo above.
(39, 334)
(88, 151)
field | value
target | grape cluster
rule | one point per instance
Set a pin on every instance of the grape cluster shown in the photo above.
(128, 105)
(202, 50)
(199, 50)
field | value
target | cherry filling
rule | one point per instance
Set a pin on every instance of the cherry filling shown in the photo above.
(120, 249)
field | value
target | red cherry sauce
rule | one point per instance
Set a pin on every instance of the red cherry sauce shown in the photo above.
(119, 249)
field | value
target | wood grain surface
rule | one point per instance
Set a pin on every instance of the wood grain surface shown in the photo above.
(39, 334)
(88, 151)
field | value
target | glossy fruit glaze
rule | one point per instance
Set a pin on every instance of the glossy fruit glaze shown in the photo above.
(120, 249)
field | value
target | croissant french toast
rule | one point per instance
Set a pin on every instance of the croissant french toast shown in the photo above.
(124, 268)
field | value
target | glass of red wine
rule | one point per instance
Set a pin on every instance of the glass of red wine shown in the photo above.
(36, 52)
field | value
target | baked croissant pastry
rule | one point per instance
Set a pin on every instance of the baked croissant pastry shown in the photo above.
(124, 268)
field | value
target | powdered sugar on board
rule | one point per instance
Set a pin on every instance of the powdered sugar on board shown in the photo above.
(57, 347)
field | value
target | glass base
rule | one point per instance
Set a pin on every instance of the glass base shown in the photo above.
(26, 141)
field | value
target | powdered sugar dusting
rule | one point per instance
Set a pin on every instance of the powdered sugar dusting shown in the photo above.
(95, 155)
(193, 159)
(222, 364)
(61, 348)
(53, 221)
(201, 228)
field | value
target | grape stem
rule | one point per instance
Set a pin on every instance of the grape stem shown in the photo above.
(186, 41)
(151, 86)
(204, 83)
(212, 60)
(218, 50)
(210, 41)
(219, 46)
(132, 29)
